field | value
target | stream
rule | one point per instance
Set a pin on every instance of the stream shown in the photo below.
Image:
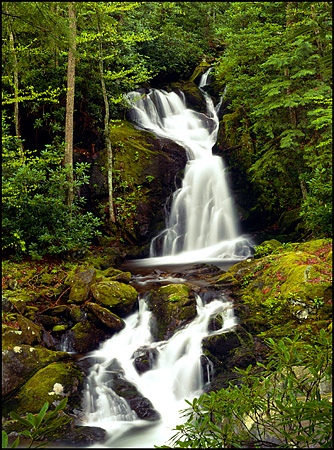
(201, 227)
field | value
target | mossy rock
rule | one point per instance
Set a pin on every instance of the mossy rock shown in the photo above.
(289, 220)
(80, 280)
(22, 361)
(51, 383)
(172, 306)
(290, 286)
(267, 247)
(103, 317)
(85, 336)
(226, 279)
(77, 314)
(112, 274)
(118, 297)
(28, 333)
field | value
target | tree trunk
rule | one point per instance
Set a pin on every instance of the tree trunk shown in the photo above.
(16, 91)
(68, 160)
(106, 129)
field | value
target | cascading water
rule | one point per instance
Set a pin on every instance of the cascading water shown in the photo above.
(176, 374)
(201, 226)
(202, 223)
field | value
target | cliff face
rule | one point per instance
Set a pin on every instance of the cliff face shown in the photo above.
(146, 171)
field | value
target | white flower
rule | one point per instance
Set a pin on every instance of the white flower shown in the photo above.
(31, 349)
(58, 388)
(17, 349)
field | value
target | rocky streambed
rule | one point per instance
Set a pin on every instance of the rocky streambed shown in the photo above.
(56, 313)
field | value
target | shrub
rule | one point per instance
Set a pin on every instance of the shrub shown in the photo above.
(283, 406)
(35, 218)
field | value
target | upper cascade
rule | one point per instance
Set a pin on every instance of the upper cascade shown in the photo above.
(202, 222)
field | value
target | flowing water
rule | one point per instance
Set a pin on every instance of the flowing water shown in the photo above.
(201, 226)
(176, 375)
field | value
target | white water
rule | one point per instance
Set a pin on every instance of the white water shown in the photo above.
(175, 376)
(202, 224)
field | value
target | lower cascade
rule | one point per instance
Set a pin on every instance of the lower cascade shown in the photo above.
(176, 374)
(202, 222)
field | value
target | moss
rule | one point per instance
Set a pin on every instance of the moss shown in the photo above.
(41, 386)
(116, 296)
(287, 286)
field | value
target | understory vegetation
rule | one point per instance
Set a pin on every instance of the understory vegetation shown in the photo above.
(282, 404)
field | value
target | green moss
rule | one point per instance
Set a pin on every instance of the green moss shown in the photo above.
(46, 385)
(284, 286)
(118, 297)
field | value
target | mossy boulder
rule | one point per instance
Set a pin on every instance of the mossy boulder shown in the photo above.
(193, 95)
(103, 317)
(172, 306)
(267, 247)
(51, 383)
(112, 274)
(80, 281)
(27, 333)
(22, 361)
(289, 220)
(118, 297)
(84, 337)
(288, 286)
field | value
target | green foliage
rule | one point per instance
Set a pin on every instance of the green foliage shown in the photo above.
(277, 68)
(38, 425)
(35, 218)
(283, 402)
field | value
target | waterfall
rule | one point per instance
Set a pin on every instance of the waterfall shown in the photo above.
(176, 375)
(202, 223)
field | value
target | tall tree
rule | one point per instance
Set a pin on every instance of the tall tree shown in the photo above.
(68, 160)
(106, 124)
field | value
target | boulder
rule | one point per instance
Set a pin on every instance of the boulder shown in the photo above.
(51, 383)
(21, 361)
(103, 317)
(173, 306)
(144, 359)
(83, 337)
(118, 297)
(80, 282)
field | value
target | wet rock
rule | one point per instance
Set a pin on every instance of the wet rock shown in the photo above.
(102, 316)
(223, 346)
(85, 436)
(137, 402)
(118, 297)
(173, 306)
(145, 359)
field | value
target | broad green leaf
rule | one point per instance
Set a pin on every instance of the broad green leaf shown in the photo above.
(4, 439)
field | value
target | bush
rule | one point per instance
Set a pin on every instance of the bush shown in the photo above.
(35, 218)
(281, 407)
